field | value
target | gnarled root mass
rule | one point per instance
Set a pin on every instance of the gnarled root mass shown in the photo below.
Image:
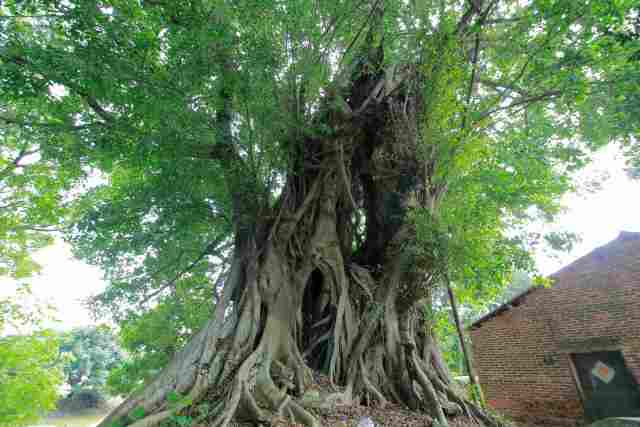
(330, 278)
(293, 309)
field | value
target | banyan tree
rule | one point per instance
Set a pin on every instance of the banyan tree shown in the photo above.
(314, 170)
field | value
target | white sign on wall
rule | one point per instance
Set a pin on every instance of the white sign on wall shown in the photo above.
(603, 372)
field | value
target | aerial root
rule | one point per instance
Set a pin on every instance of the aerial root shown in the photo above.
(248, 402)
(237, 394)
(462, 405)
(256, 397)
(229, 410)
(427, 387)
(369, 387)
(254, 394)
(451, 402)
(283, 405)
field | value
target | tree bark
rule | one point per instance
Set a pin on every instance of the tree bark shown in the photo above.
(329, 278)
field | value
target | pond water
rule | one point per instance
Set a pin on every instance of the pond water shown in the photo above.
(84, 420)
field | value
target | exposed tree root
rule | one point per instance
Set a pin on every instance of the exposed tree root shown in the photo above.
(251, 367)
(259, 374)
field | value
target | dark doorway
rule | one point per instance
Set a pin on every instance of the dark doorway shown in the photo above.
(607, 387)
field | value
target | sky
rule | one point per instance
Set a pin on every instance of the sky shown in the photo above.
(596, 217)
(64, 283)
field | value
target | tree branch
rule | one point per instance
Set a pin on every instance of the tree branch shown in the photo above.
(44, 16)
(359, 33)
(90, 100)
(498, 85)
(503, 20)
(475, 8)
(95, 106)
(13, 121)
(472, 80)
(522, 101)
(208, 250)
(15, 163)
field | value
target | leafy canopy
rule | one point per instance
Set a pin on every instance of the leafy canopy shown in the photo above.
(516, 96)
(90, 353)
(31, 205)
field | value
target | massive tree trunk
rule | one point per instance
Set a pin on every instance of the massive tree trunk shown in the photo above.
(329, 279)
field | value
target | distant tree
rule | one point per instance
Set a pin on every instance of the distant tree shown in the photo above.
(30, 369)
(90, 354)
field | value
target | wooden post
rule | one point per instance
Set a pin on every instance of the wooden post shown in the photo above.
(477, 391)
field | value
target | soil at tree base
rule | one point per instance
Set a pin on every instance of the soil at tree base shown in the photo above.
(387, 416)
(390, 415)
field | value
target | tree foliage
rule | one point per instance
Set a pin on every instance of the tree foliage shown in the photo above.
(30, 374)
(30, 197)
(90, 354)
(328, 163)
(545, 75)
(473, 307)
(152, 338)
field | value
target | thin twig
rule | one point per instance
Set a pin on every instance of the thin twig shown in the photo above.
(209, 250)
(522, 101)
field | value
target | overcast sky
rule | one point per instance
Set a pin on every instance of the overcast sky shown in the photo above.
(597, 218)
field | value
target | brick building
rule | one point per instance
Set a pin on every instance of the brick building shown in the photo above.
(572, 350)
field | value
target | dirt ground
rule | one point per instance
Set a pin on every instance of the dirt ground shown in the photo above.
(391, 415)
(388, 416)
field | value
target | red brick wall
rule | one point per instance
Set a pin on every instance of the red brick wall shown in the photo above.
(522, 355)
